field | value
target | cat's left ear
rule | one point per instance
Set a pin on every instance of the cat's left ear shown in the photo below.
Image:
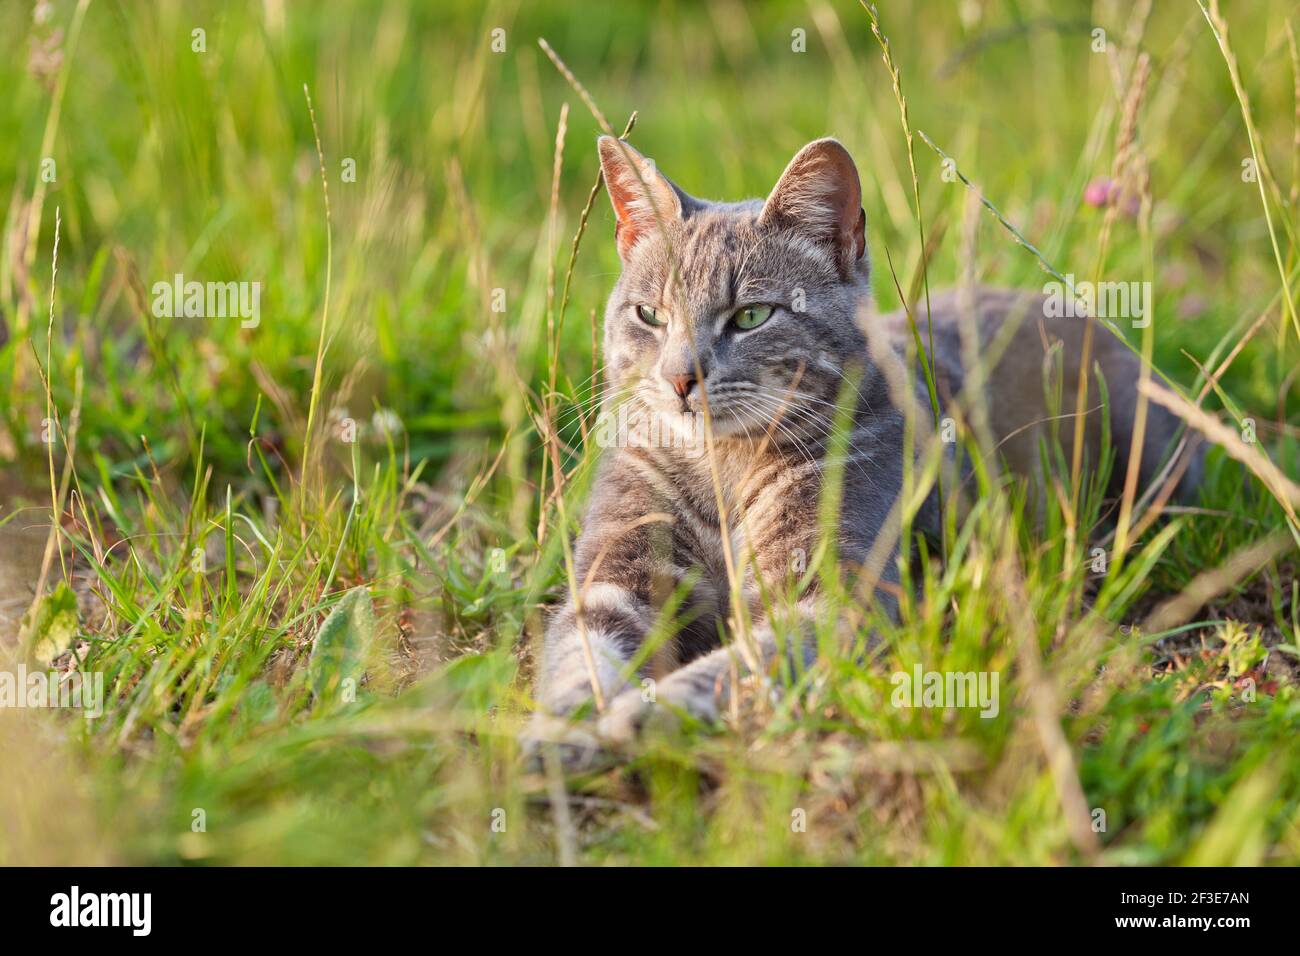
(820, 195)
(643, 197)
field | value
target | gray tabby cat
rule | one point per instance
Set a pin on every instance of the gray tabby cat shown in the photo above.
(735, 330)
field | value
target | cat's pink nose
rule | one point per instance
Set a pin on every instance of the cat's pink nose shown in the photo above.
(681, 383)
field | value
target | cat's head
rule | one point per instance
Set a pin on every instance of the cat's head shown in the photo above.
(758, 300)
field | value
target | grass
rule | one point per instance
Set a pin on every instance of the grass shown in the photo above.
(318, 650)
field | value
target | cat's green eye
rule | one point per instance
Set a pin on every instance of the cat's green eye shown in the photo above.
(648, 316)
(752, 316)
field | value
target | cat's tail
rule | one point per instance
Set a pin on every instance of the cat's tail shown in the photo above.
(1169, 448)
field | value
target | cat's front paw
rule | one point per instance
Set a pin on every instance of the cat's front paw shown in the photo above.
(574, 744)
(633, 714)
(624, 719)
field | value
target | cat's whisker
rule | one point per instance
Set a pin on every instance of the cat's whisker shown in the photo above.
(794, 410)
(785, 429)
(866, 405)
(769, 426)
(591, 402)
(804, 396)
(850, 460)
(793, 397)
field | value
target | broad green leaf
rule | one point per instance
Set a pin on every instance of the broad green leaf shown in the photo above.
(338, 654)
(49, 630)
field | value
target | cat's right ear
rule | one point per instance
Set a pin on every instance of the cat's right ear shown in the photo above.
(819, 194)
(643, 198)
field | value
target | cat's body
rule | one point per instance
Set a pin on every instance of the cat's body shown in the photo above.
(769, 303)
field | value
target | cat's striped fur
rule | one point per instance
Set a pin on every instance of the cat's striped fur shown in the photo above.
(655, 524)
